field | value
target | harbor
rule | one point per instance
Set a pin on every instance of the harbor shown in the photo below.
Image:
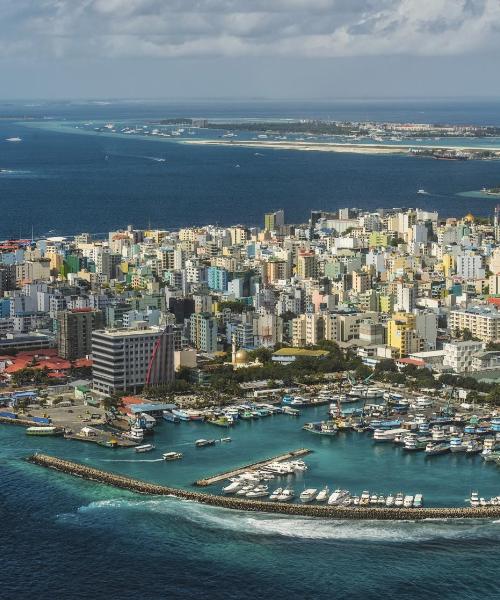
(321, 511)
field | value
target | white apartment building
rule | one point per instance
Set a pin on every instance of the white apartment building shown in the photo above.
(483, 322)
(459, 355)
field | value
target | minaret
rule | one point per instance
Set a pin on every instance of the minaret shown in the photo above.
(496, 223)
(233, 348)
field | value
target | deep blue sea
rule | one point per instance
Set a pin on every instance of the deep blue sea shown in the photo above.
(61, 537)
(63, 182)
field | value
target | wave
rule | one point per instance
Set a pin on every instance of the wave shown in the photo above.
(262, 524)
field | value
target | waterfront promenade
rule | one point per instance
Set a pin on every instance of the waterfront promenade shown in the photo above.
(308, 510)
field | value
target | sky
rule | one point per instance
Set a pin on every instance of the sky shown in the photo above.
(295, 49)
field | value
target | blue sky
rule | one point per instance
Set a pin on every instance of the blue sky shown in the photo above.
(249, 48)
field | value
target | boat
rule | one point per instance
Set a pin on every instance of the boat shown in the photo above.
(172, 455)
(438, 434)
(421, 191)
(226, 440)
(44, 430)
(258, 492)
(323, 495)
(374, 499)
(337, 497)
(13, 139)
(418, 501)
(286, 495)
(412, 443)
(390, 500)
(308, 495)
(473, 447)
(322, 428)
(489, 446)
(399, 500)
(434, 448)
(364, 500)
(183, 415)
(288, 410)
(136, 434)
(457, 445)
(275, 495)
(408, 501)
(386, 435)
(145, 448)
(474, 499)
(232, 487)
(225, 421)
(201, 443)
(248, 487)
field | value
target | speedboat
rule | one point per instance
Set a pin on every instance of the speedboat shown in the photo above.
(201, 443)
(308, 495)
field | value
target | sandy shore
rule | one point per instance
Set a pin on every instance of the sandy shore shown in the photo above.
(332, 146)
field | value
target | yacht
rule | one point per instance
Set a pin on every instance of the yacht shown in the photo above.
(145, 448)
(233, 487)
(390, 500)
(374, 499)
(277, 492)
(408, 501)
(434, 448)
(474, 499)
(201, 443)
(183, 415)
(422, 402)
(337, 496)
(243, 491)
(171, 418)
(418, 501)
(258, 492)
(323, 495)
(172, 455)
(365, 498)
(386, 435)
(136, 434)
(399, 500)
(298, 465)
(308, 495)
(286, 495)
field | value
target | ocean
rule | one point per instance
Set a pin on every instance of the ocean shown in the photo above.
(63, 183)
(62, 537)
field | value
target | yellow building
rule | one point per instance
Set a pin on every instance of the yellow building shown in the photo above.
(448, 264)
(386, 304)
(401, 334)
(378, 239)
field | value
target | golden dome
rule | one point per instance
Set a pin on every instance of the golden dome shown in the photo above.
(241, 357)
(469, 218)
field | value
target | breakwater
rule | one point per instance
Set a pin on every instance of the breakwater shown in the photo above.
(256, 465)
(22, 422)
(307, 510)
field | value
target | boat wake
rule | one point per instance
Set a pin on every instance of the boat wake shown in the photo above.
(132, 460)
(261, 524)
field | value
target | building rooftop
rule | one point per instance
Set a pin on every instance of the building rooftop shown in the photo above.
(300, 352)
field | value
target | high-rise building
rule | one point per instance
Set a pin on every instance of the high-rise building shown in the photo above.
(74, 331)
(129, 359)
(274, 220)
(203, 332)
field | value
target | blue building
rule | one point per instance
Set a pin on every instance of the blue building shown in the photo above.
(217, 279)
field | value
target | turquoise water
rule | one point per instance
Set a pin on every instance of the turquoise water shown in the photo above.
(86, 540)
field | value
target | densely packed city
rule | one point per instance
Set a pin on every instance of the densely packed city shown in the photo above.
(401, 285)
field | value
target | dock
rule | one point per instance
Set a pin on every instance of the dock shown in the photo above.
(251, 467)
(246, 504)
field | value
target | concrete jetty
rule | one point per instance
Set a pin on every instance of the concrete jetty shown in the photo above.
(251, 467)
(245, 504)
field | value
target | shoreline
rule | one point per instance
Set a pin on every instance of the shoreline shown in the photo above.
(245, 504)
(338, 147)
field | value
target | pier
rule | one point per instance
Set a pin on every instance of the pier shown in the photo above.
(245, 504)
(251, 467)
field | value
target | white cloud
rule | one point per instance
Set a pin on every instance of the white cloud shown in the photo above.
(227, 28)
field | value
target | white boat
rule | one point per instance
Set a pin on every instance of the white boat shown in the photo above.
(308, 495)
(390, 500)
(136, 434)
(457, 445)
(172, 455)
(408, 501)
(421, 191)
(399, 500)
(233, 487)
(258, 492)
(365, 498)
(418, 501)
(13, 139)
(337, 497)
(145, 448)
(474, 499)
(275, 495)
(245, 489)
(286, 495)
(387, 435)
(323, 495)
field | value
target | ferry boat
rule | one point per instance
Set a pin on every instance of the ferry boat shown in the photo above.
(434, 448)
(386, 435)
(44, 430)
(323, 495)
(172, 455)
(144, 448)
(201, 443)
(322, 428)
(171, 418)
(308, 495)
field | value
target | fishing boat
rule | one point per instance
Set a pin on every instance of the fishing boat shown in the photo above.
(145, 448)
(172, 455)
(473, 447)
(457, 445)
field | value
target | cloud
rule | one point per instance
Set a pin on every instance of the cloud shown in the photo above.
(233, 28)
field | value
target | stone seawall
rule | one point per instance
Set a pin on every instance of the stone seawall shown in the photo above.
(307, 510)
